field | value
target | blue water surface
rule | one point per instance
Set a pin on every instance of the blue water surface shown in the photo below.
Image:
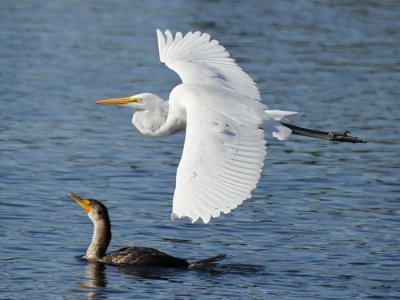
(322, 224)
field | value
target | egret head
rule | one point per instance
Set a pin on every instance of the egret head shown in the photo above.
(139, 101)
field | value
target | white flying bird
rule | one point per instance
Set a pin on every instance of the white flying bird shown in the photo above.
(218, 105)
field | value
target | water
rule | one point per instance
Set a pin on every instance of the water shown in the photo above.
(324, 220)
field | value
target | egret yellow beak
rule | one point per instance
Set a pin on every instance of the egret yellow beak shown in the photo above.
(84, 203)
(119, 101)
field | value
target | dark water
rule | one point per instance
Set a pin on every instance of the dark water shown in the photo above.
(324, 220)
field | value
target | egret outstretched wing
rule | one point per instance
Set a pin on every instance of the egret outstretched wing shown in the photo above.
(224, 147)
(197, 59)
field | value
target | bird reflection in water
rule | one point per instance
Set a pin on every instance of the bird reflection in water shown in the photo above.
(96, 274)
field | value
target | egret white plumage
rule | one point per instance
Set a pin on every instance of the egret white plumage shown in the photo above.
(219, 106)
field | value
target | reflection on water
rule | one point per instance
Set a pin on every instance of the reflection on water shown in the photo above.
(96, 275)
(322, 222)
(96, 280)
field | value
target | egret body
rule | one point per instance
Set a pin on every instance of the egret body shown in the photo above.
(218, 105)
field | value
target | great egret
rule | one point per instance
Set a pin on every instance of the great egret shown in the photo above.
(132, 256)
(219, 106)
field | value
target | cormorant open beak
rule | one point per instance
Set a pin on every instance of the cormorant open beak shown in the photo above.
(119, 101)
(84, 203)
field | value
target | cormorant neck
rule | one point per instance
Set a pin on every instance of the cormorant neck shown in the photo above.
(100, 240)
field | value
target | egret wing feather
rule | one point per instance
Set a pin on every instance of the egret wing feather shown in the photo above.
(199, 60)
(222, 158)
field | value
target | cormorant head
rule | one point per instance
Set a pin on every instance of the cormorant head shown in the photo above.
(95, 209)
